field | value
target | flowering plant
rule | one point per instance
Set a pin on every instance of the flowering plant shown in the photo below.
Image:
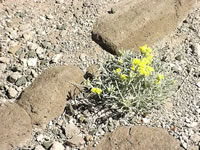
(132, 82)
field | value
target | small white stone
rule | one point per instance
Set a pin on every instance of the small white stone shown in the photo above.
(28, 35)
(32, 62)
(193, 124)
(34, 73)
(56, 58)
(198, 49)
(39, 147)
(49, 16)
(39, 51)
(14, 76)
(4, 60)
(2, 67)
(13, 43)
(71, 130)
(2, 100)
(12, 93)
(57, 146)
(25, 27)
(187, 120)
(198, 84)
(83, 57)
(185, 138)
(145, 120)
(40, 138)
(32, 46)
(184, 144)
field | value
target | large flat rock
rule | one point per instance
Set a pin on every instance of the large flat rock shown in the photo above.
(45, 98)
(138, 138)
(15, 126)
(138, 22)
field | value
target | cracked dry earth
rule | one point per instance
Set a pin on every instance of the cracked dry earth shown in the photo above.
(61, 33)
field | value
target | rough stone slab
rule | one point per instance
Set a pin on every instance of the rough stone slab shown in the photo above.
(15, 126)
(138, 22)
(45, 98)
(138, 138)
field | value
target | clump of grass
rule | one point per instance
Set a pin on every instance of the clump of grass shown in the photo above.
(131, 82)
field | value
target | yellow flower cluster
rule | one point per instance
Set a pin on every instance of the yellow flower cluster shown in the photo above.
(118, 72)
(96, 90)
(123, 76)
(142, 66)
(145, 50)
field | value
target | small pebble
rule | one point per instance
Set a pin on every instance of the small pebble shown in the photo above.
(32, 62)
(12, 93)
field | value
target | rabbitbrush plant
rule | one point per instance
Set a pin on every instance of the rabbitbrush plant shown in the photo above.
(131, 82)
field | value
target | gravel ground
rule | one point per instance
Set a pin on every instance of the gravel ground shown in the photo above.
(40, 34)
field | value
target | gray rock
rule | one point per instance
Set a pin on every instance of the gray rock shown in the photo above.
(178, 57)
(31, 54)
(21, 81)
(46, 45)
(47, 144)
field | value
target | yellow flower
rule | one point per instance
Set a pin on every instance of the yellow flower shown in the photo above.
(148, 50)
(123, 77)
(145, 61)
(136, 61)
(145, 50)
(118, 70)
(133, 68)
(96, 90)
(145, 70)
